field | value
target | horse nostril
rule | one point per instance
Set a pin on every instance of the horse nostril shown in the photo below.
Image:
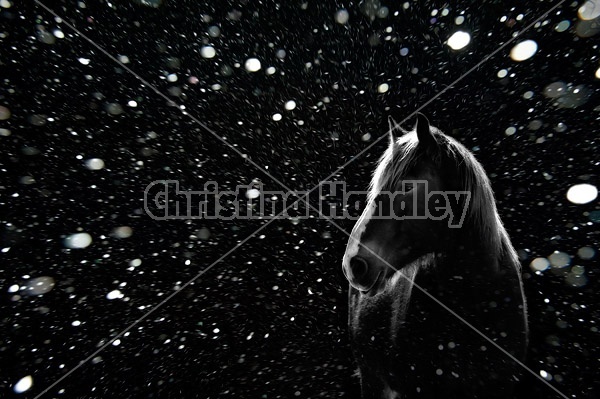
(359, 267)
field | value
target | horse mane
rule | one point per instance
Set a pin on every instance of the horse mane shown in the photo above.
(401, 155)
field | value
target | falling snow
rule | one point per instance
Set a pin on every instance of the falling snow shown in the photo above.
(523, 50)
(79, 240)
(208, 52)
(297, 89)
(582, 193)
(459, 40)
(94, 164)
(290, 105)
(23, 385)
(252, 65)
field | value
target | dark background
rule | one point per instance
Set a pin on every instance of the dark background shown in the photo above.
(288, 341)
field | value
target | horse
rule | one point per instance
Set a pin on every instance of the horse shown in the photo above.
(422, 285)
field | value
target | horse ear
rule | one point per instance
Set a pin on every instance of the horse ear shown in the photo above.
(392, 132)
(423, 130)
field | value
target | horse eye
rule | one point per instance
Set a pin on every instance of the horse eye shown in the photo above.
(407, 187)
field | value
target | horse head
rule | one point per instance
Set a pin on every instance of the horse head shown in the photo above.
(411, 209)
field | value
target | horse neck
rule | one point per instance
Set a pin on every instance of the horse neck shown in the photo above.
(485, 265)
(475, 252)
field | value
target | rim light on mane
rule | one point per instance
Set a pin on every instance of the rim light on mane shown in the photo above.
(402, 154)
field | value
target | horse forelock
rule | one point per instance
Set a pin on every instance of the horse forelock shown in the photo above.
(393, 164)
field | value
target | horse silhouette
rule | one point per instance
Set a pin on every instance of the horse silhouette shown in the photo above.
(428, 255)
